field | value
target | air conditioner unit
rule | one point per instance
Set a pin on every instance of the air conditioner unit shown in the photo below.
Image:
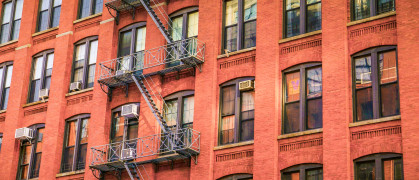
(247, 85)
(24, 133)
(121, 72)
(75, 86)
(43, 94)
(128, 153)
(129, 111)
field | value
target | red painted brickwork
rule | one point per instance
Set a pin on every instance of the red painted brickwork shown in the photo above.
(335, 147)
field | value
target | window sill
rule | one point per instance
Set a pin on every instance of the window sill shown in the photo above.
(87, 18)
(392, 13)
(34, 103)
(45, 31)
(374, 121)
(234, 145)
(70, 173)
(300, 36)
(7, 43)
(2, 111)
(236, 52)
(79, 92)
(303, 133)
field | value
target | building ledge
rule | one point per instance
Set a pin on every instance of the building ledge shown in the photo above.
(7, 43)
(34, 103)
(87, 18)
(79, 92)
(300, 36)
(236, 52)
(45, 31)
(374, 121)
(392, 13)
(303, 133)
(234, 145)
(70, 173)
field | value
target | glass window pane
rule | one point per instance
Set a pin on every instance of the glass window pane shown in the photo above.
(27, 154)
(18, 11)
(292, 87)
(385, 6)
(363, 72)
(177, 24)
(7, 12)
(44, 4)
(314, 113)
(40, 136)
(35, 168)
(314, 82)
(91, 77)
(35, 87)
(24, 172)
(78, 75)
(193, 19)
(390, 104)
(16, 29)
(291, 176)
(43, 20)
(98, 6)
(361, 9)
(250, 9)
(388, 67)
(140, 41)
(398, 169)
(231, 13)
(231, 38)
(57, 3)
(50, 63)
(314, 17)
(293, 22)
(68, 159)
(250, 34)
(125, 44)
(247, 115)
(37, 68)
(132, 133)
(71, 133)
(248, 101)
(9, 73)
(170, 112)
(47, 82)
(56, 16)
(80, 56)
(188, 109)
(227, 129)
(365, 171)
(1, 75)
(292, 4)
(364, 107)
(5, 33)
(5, 98)
(93, 52)
(314, 174)
(292, 118)
(1, 141)
(312, 1)
(228, 100)
(81, 160)
(84, 131)
(84, 8)
(117, 127)
(246, 130)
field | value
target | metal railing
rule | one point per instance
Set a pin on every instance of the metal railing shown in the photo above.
(157, 144)
(190, 48)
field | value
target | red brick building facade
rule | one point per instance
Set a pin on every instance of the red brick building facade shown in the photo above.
(362, 125)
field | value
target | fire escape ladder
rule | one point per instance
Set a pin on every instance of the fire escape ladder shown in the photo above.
(134, 171)
(156, 19)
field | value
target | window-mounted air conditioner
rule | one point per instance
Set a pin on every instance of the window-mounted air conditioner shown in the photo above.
(129, 111)
(75, 86)
(247, 85)
(43, 94)
(128, 153)
(24, 133)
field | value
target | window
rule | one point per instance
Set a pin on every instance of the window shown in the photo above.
(375, 79)
(6, 71)
(238, 177)
(379, 166)
(132, 40)
(49, 14)
(184, 25)
(237, 111)
(1, 140)
(179, 110)
(31, 153)
(89, 7)
(41, 74)
(362, 9)
(123, 128)
(302, 108)
(85, 62)
(303, 172)
(240, 24)
(10, 22)
(75, 144)
(302, 16)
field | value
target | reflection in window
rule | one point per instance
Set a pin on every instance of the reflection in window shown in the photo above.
(10, 21)
(305, 171)
(362, 9)
(293, 17)
(75, 144)
(379, 166)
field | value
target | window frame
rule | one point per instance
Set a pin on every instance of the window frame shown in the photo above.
(237, 110)
(78, 119)
(303, 17)
(91, 8)
(50, 15)
(1, 142)
(184, 14)
(4, 66)
(375, 84)
(12, 21)
(126, 125)
(133, 28)
(302, 169)
(378, 161)
(179, 97)
(35, 129)
(373, 9)
(87, 42)
(236, 177)
(44, 55)
(302, 69)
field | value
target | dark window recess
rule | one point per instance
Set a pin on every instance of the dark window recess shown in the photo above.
(238, 177)
(303, 98)
(49, 14)
(41, 74)
(375, 80)
(132, 40)
(239, 24)
(75, 144)
(89, 7)
(379, 166)
(305, 171)
(30, 154)
(84, 64)
(362, 9)
(1, 140)
(10, 20)
(6, 71)
(237, 109)
(302, 16)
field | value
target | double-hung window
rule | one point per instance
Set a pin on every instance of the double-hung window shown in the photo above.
(239, 24)
(85, 62)
(89, 7)
(41, 74)
(179, 110)
(10, 21)
(6, 70)
(237, 111)
(30, 154)
(362, 9)
(375, 79)
(49, 14)
(302, 108)
(132, 40)
(302, 16)
(305, 171)
(379, 166)
(75, 143)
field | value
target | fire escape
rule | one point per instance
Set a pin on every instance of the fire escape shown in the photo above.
(138, 68)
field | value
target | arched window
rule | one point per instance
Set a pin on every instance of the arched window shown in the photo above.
(237, 177)
(379, 166)
(179, 109)
(131, 40)
(303, 171)
(85, 56)
(31, 153)
(41, 74)
(302, 98)
(6, 71)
